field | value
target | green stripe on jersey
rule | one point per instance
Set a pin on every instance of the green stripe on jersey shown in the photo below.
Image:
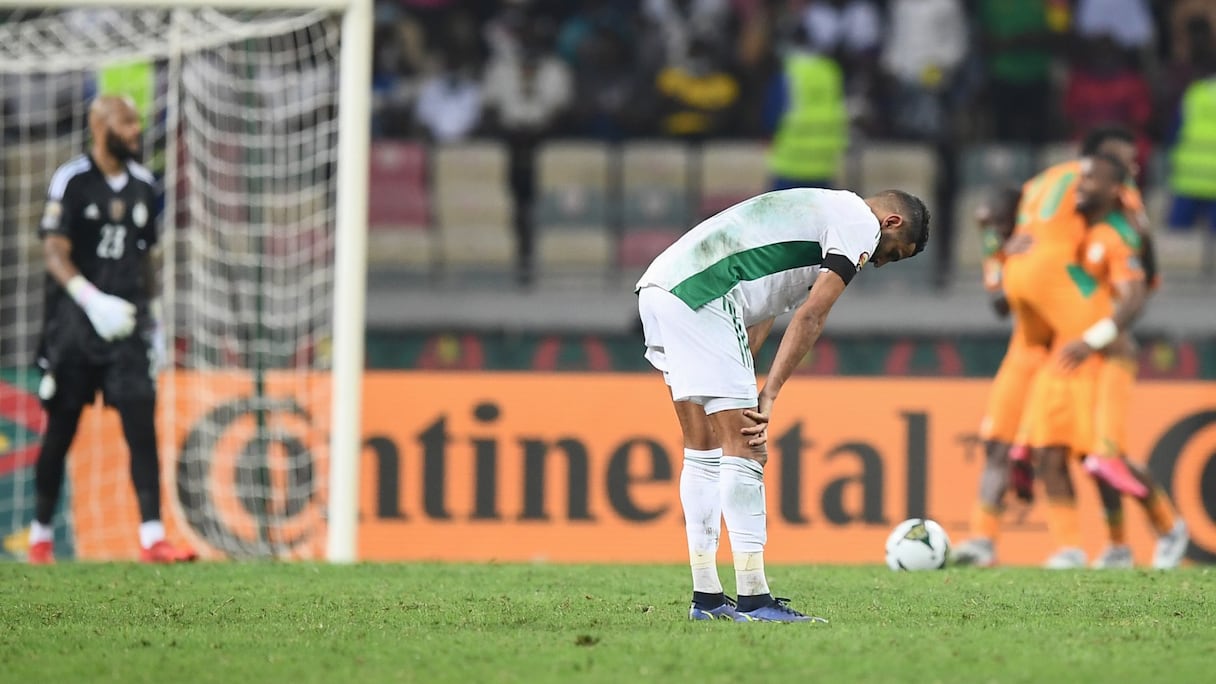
(1052, 203)
(701, 288)
(1085, 283)
(1123, 227)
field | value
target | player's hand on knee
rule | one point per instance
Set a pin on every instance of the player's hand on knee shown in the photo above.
(757, 434)
(758, 440)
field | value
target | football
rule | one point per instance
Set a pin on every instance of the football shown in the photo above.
(917, 544)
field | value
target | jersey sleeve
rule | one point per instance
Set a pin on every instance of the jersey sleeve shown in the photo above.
(59, 212)
(848, 247)
(1122, 259)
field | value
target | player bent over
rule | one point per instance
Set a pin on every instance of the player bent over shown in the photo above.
(705, 303)
(101, 326)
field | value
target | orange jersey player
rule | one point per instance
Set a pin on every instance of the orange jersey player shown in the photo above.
(1060, 310)
(1114, 255)
(1062, 409)
(1048, 311)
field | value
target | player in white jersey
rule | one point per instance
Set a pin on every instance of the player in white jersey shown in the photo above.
(707, 303)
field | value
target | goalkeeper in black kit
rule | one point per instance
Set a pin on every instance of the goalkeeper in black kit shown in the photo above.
(102, 330)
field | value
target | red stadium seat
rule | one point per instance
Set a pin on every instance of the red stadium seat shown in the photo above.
(398, 187)
(400, 230)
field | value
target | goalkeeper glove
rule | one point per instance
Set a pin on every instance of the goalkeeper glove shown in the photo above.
(112, 317)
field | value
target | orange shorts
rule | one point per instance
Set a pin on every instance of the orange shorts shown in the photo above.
(1060, 411)
(1113, 396)
(1055, 302)
(1010, 389)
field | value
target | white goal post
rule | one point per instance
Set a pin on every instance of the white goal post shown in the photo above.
(349, 232)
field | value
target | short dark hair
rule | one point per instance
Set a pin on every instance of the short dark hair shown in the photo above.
(1098, 136)
(915, 213)
(1120, 169)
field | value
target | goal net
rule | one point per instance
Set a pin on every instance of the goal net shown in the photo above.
(241, 126)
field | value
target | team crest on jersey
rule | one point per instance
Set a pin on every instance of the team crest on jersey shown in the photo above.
(92, 213)
(865, 257)
(1095, 253)
(50, 217)
(118, 208)
(139, 214)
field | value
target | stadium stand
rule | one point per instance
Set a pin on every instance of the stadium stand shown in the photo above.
(573, 222)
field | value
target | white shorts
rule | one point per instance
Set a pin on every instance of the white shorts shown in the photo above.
(703, 354)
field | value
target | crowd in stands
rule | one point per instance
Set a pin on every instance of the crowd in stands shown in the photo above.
(810, 81)
(810, 76)
(1014, 70)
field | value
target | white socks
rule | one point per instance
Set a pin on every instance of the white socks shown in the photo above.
(41, 533)
(702, 503)
(150, 533)
(742, 486)
(749, 574)
(713, 486)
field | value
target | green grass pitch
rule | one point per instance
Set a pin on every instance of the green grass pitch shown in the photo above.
(259, 622)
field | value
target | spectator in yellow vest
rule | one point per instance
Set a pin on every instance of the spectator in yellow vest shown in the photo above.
(1193, 157)
(805, 109)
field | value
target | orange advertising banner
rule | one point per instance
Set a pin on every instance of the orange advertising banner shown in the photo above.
(241, 476)
(585, 468)
(520, 467)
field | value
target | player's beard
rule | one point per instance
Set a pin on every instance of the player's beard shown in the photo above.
(120, 150)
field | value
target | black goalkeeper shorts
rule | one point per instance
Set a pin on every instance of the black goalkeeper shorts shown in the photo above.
(124, 377)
